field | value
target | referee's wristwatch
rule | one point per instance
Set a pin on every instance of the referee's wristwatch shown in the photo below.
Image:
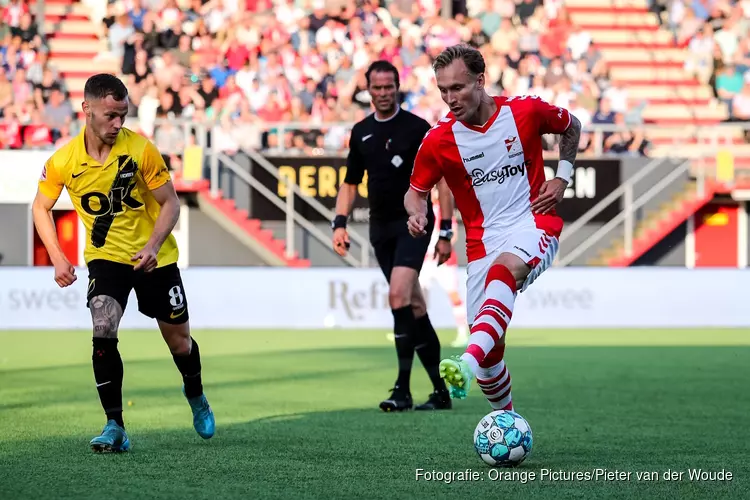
(446, 230)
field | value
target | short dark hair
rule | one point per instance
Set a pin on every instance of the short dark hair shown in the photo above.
(471, 57)
(382, 66)
(104, 84)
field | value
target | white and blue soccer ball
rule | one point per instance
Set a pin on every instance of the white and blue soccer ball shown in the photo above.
(503, 438)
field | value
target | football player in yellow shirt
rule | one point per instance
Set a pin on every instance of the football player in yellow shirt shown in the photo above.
(122, 191)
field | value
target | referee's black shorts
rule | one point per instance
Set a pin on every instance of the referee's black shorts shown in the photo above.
(395, 247)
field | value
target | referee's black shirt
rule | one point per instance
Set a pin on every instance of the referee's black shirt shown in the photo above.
(386, 150)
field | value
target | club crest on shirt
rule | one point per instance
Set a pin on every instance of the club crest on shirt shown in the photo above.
(513, 145)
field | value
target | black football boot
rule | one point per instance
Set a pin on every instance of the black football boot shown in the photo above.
(400, 400)
(438, 400)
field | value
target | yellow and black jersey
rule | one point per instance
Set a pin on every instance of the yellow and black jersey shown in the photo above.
(113, 199)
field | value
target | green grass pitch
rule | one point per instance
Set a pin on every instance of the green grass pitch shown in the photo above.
(297, 417)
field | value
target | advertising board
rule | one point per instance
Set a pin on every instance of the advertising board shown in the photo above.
(319, 178)
(358, 299)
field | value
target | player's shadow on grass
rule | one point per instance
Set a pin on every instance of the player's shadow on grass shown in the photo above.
(338, 454)
(269, 369)
(170, 391)
(357, 453)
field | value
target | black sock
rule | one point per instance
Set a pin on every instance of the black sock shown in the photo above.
(108, 375)
(427, 346)
(190, 368)
(403, 330)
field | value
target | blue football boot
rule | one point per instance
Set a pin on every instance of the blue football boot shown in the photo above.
(203, 416)
(113, 439)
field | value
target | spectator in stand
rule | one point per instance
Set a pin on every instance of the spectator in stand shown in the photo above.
(6, 91)
(11, 133)
(23, 92)
(58, 113)
(37, 133)
(35, 73)
(43, 89)
(699, 61)
(525, 9)
(728, 37)
(13, 13)
(604, 115)
(691, 23)
(741, 104)
(729, 82)
(627, 142)
(27, 31)
(659, 8)
(170, 140)
(119, 33)
(584, 116)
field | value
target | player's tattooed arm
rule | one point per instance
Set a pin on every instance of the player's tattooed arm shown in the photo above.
(569, 140)
(105, 314)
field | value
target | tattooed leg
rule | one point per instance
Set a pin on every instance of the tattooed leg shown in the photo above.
(106, 314)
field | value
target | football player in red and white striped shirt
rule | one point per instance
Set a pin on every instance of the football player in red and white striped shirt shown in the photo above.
(489, 151)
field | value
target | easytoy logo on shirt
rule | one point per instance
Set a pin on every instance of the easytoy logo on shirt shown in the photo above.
(479, 176)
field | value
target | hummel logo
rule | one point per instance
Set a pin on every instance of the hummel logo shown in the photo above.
(366, 137)
(475, 157)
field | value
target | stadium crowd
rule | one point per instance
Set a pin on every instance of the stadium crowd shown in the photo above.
(245, 64)
(716, 34)
(34, 107)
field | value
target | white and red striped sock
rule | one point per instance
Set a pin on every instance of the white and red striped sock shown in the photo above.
(495, 384)
(493, 317)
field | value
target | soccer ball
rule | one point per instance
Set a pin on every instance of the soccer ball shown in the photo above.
(503, 438)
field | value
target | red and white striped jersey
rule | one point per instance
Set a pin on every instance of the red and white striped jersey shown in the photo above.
(494, 171)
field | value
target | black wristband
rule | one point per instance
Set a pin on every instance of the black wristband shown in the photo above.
(339, 221)
(446, 230)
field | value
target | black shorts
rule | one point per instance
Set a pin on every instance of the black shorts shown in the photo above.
(160, 293)
(395, 247)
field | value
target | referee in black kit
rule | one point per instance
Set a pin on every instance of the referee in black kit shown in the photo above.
(385, 145)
